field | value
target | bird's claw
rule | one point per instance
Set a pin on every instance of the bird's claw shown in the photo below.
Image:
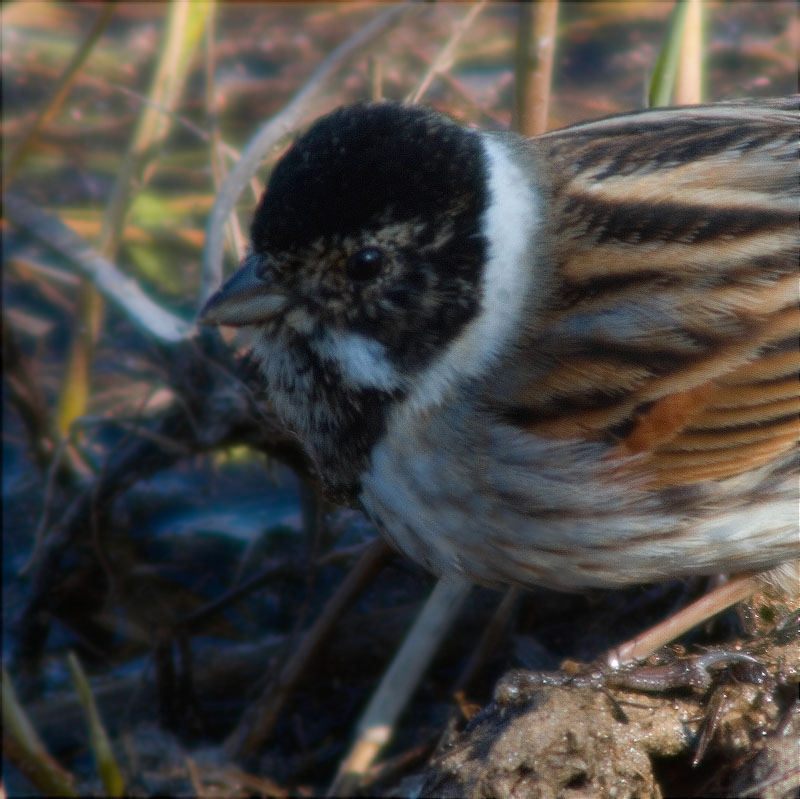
(692, 673)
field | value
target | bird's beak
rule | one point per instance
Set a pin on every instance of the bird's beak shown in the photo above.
(246, 298)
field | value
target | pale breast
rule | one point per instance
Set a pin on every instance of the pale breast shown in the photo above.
(461, 492)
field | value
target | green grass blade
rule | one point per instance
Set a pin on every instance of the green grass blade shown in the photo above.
(106, 763)
(663, 81)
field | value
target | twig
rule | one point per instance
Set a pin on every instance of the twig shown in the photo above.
(113, 284)
(129, 698)
(260, 718)
(342, 554)
(168, 444)
(218, 165)
(217, 412)
(152, 125)
(194, 776)
(444, 59)
(272, 132)
(689, 76)
(722, 597)
(105, 760)
(47, 504)
(28, 399)
(782, 783)
(375, 726)
(492, 633)
(194, 620)
(60, 92)
(465, 94)
(185, 123)
(24, 748)
(401, 763)
(534, 66)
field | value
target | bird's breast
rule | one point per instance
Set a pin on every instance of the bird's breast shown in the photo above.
(461, 492)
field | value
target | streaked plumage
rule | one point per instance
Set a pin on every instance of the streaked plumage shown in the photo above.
(578, 363)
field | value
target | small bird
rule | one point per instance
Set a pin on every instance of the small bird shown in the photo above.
(568, 361)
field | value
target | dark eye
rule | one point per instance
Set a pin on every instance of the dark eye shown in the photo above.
(365, 264)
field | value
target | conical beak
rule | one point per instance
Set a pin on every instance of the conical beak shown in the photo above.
(245, 298)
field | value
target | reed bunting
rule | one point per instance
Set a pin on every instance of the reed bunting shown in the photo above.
(568, 361)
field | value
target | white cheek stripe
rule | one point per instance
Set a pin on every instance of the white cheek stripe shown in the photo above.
(509, 224)
(363, 361)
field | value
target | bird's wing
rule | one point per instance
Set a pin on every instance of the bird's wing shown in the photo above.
(673, 325)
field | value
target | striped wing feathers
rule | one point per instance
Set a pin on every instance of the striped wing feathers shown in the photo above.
(675, 324)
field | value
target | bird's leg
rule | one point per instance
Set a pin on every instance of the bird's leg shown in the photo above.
(618, 667)
(722, 597)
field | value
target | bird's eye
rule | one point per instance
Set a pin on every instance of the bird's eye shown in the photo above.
(365, 264)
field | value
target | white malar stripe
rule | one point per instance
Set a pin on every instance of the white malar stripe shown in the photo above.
(363, 361)
(510, 223)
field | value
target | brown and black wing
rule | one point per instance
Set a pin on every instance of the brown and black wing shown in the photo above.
(674, 324)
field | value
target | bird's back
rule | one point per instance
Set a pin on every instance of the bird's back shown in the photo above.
(673, 325)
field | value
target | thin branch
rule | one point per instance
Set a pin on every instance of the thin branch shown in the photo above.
(689, 77)
(60, 92)
(377, 722)
(536, 42)
(180, 119)
(26, 395)
(113, 284)
(24, 748)
(259, 720)
(492, 635)
(152, 125)
(218, 166)
(444, 59)
(47, 505)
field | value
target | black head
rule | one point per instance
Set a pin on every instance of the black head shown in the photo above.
(366, 261)
(371, 222)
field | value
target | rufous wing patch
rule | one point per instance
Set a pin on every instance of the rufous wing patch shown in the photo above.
(667, 417)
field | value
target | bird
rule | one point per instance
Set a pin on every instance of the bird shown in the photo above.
(567, 361)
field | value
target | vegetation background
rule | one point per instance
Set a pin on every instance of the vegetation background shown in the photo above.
(183, 561)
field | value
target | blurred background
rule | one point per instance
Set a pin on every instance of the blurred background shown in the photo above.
(119, 122)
